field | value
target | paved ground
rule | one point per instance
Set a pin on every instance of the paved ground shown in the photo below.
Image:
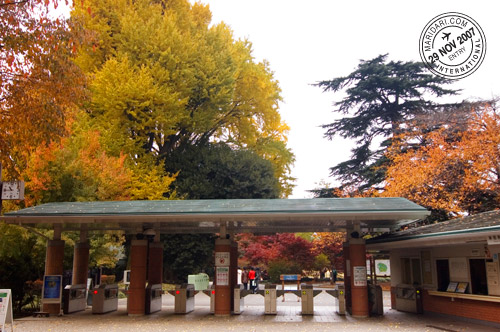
(252, 319)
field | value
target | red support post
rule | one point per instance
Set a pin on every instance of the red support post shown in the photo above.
(222, 280)
(359, 285)
(136, 302)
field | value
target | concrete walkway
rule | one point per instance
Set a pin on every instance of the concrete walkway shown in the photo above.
(252, 319)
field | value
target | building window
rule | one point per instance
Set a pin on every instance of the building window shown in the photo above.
(443, 274)
(411, 272)
(478, 280)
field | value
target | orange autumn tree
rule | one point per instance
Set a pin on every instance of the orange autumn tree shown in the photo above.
(79, 169)
(454, 169)
(39, 84)
(331, 245)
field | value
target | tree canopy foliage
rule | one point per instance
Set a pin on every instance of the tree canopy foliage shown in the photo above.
(40, 87)
(162, 77)
(381, 96)
(451, 166)
(215, 171)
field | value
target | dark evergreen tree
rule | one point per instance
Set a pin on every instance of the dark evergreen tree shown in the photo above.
(211, 171)
(381, 97)
(216, 171)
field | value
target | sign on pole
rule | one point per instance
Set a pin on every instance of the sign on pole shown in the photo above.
(359, 274)
(222, 258)
(6, 309)
(222, 276)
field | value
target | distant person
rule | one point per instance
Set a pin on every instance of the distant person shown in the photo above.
(257, 279)
(334, 276)
(244, 278)
(251, 277)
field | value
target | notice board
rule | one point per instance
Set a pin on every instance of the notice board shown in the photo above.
(52, 289)
(6, 309)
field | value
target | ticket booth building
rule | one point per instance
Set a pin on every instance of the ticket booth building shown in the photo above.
(454, 265)
(223, 217)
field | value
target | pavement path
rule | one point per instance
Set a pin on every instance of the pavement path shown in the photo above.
(252, 319)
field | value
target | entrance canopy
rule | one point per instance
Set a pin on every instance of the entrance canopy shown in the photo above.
(237, 215)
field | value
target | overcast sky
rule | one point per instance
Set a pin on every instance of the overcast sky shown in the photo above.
(306, 42)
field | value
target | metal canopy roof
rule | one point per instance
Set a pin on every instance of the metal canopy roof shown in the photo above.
(206, 216)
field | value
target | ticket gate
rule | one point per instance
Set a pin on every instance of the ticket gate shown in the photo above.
(104, 299)
(409, 299)
(153, 298)
(184, 298)
(239, 299)
(339, 293)
(307, 294)
(74, 298)
(270, 296)
(211, 293)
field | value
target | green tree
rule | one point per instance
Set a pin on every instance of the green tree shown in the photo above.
(186, 254)
(216, 171)
(381, 96)
(22, 256)
(162, 77)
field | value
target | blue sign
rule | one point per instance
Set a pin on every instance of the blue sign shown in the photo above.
(290, 277)
(52, 286)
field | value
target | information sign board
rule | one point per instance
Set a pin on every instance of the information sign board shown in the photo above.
(222, 276)
(359, 274)
(52, 289)
(6, 309)
(290, 277)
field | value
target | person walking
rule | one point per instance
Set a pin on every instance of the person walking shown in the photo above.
(244, 278)
(257, 279)
(251, 277)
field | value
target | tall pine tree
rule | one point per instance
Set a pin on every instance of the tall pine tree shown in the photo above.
(381, 97)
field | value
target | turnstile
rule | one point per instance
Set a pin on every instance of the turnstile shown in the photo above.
(104, 299)
(153, 298)
(74, 298)
(239, 299)
(307, 294)
(409, 298)
(339, 294)
(211, 293)
(184, 298)
(270, 305)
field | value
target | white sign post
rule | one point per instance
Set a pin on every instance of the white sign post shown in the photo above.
(6, 309)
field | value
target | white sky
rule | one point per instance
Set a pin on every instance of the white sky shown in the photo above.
(309, 41)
